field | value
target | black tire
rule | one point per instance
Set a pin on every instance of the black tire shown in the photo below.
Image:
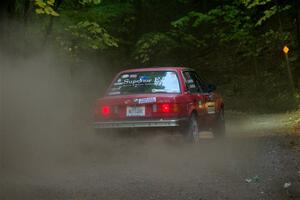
(219, 129)
(192, 131)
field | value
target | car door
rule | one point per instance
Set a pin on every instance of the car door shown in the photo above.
(212, 99)
(196, 92)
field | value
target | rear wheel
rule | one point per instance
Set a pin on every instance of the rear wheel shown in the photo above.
(192, 133)
(219, 128)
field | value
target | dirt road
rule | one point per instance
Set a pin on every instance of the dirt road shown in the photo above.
(254, 161)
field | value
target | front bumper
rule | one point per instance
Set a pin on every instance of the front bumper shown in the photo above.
(140, 123)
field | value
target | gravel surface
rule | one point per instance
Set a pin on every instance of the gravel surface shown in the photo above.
(242, 166)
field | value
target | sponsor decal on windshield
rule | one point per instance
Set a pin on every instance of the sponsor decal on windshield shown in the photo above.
(118, 83)
(146, 82)
(114, 93)
(192, 86)
(136, 82)
(133, 76)
(125, 75)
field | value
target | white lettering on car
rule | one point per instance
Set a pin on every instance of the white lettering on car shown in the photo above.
(136, 82)
(125, 75)
(114, 93)
(133, 76)
(147, 100)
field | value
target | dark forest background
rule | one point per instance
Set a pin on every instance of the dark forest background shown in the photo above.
(236, 44)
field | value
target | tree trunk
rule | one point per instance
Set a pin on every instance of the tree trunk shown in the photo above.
(288, 67)
(27, 6)
(297, 6)
(7, 9)
(205, 5)
(51, 21)
(3, 15)
(297, 70)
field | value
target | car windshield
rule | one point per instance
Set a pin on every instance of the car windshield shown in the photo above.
(145, 82)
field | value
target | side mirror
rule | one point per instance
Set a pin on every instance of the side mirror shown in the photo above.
(211, 87)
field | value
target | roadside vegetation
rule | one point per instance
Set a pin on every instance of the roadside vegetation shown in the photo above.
(235, 44)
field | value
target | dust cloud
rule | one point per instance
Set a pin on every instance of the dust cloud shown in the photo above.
(49, 149)
(49, 141)
(43, 108)
(46, 100)
(46, 124)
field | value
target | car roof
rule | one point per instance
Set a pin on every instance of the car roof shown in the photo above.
(156, 69)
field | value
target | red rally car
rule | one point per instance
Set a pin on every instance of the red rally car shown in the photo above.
(161, 97)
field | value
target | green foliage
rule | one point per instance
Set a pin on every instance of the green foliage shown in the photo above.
(118, 19)
(230, 23)
(195, 18)
(272, 10)
(151, 44)
(270, 13)
(120, 15)
(90, 35)
(253, 3)
(89, 2)
(45, 7)
(233, 22)
(88, 26)
(238, 41)
(297, 99)
(236, 24)
(267, 14)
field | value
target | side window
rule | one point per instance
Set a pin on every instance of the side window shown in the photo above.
(196, 78)
(202, 83)
(191, 82)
